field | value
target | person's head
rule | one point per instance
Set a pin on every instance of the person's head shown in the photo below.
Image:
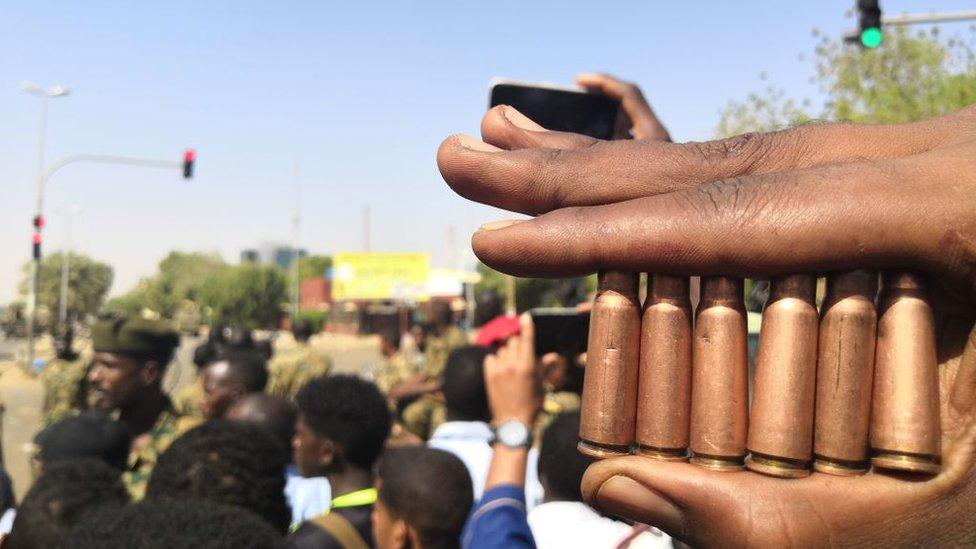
(264, 348)
(389, 341)
(441, 314)
(463, 384)
(65, 494)
(207, 352)
(62, 345)
(488, 305)
(419, 333)
(90, 434)
(301, 329)
(234, 374)
(225, 462)
(165, 524)
(240, 338)
(424, 496)
(342, 423)
(131, 354)
(273, 414)
(561, 467)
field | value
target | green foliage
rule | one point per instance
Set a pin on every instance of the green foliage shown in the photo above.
(316, 318)
(912, 76)
(247, 295)
(180, 279)
(529, 292)
(88, 282)
(313, 266)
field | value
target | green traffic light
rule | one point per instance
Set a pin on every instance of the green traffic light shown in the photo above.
(872, 37)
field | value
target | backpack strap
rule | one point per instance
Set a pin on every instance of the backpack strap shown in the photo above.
(341, 529)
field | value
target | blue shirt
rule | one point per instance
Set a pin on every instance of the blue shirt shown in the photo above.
(499, 520)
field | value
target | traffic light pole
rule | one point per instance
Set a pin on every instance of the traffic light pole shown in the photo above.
(907, 19)
(42, 179)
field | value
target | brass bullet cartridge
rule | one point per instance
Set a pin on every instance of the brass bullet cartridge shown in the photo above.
(845, 372)
(719, 388)
(664, 389)
(905, 424)
(781, 419)
(609, 409)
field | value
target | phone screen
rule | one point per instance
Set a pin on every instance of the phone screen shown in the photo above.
(590, 114)
(562, 330)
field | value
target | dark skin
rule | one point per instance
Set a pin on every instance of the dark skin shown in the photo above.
(317, 456)
(221, 389)
(817, 198)
(131, 385)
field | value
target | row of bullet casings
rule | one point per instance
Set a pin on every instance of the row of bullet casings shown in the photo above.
(833, 389)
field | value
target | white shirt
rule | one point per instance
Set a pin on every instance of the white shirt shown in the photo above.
(469, 441)
(562, 524)
(307, 497)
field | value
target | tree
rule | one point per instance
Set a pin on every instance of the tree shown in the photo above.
(314, 266)
(88, 282)
(179, 280)
(246, 295)
(912, 76)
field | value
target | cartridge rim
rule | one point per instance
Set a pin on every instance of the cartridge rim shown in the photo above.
(839, 468)
(911, 463)
(777, 467)
(725, 464)
(598, 451)
(663, 454)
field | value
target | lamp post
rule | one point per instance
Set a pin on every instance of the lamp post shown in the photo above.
(44, 95)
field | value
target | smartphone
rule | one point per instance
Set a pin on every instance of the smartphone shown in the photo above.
(562, 330)
(559, 108)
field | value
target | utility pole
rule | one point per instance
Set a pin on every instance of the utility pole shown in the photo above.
(296, 247)
(66, 266)
(38, 221)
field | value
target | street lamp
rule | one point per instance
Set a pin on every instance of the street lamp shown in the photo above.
(44, 95)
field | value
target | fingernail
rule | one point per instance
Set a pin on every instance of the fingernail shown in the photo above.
(628, 498)
(495, 225)
(469, 142)
(519, 120)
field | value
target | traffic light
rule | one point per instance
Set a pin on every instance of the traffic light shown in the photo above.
(869, 17)
(189, 157)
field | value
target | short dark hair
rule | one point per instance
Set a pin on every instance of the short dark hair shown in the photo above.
(65, 494)
(349, 411)
(165, 524)
(247, 366)
(89, 434)
(225, 462)
(560, 466)
(429, 489)
(463, 384)
(301, 329)
(272, 413)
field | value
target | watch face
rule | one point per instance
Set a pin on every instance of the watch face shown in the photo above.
(513, 433)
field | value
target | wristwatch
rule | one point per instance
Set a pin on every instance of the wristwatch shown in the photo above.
(512, 433)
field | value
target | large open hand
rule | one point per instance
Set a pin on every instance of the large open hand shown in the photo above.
(812, 199)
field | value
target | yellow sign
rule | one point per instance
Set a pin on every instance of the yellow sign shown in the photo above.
(380, 276)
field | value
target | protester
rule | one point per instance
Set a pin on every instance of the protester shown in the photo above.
(167, 524)
(512, 383)
(65, 495)
(423, 499)
(307, 497)
(131, 354)
(292, 366)
(234, 464)
(234, 374)
(342, 424)
(563, 520)
(466, 433)
(817, 197)
(90, 434)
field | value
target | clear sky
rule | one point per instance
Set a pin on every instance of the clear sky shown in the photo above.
(358, 94)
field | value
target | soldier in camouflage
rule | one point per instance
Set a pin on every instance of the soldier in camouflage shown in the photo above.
(131, 354)
(293, 366)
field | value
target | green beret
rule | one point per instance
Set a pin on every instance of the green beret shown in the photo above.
(134, 335)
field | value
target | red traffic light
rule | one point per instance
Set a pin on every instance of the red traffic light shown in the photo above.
(36, 239)
(38, 221)
(189, 157)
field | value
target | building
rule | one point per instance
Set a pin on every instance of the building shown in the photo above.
(272, 253)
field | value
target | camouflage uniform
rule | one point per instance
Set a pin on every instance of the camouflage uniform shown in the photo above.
(399, 368)
(424, 415)
(64, 387)
(439, 347)
(292, 367)
(168, 427)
